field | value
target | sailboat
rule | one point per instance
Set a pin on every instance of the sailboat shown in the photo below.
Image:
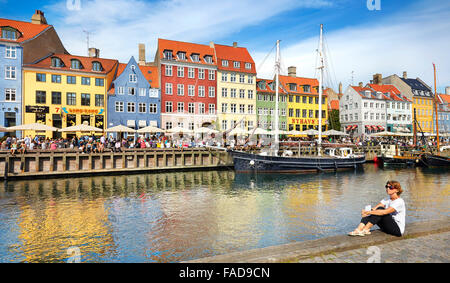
(273, 162)
(430, 159)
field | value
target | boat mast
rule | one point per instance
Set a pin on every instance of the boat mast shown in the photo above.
(436, 109)
(321, 66)
(277, 71)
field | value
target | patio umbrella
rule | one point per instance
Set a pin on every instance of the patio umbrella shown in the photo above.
(238, 131)
(81, 128)
(150, 129)
(310, 132)
(204, 130)
(179, 130)
(259, 131)
(294, 133)
(3, 129)
(120, 129)
(334, 133)
(33, 127)
(383, 134)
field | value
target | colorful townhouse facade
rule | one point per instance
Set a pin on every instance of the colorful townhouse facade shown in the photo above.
(398, 108)
(443, 106)
(265, 105)
(421, 96)
(188, 81)
(63, 90)
(21, 43)
(134, 98)
(236, 87)
(303, 102)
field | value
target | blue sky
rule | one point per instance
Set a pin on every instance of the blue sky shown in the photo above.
(402, 36)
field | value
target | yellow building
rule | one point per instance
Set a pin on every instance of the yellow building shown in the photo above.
(423, 106)
(236, 87)
(64, 90)
(303, 102)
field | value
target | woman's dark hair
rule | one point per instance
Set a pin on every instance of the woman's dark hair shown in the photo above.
(396, 185)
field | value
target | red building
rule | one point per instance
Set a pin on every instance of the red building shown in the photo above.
(188, 80)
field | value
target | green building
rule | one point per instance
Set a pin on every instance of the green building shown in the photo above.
(265, 105)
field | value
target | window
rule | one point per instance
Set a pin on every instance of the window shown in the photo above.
(181, 56)
(180, 107)
(119, 106)
(250, 94)
(233, 78)
(169, 88)
(99, 100)
(71, 98)
(304, 113)
(133, 78)
(201, 74)
(85, 81)
(201, 91)
(236, 64)
(224, 77)
(56, 79)
(310, 100)
(121, 90)
(191, 73)
(142, 92)
(168, 125)
(201, 108)
(250, 79)
(85, 99)
(211, 75)
(11, 52)
(233, 93)
(40, 77)
(40, 97)
(168, 71)
(212, 109)
(242, 79)
(9, 34)
(208, 59)
(195, 57)
(233, 108)
(191, 90)
(224, 92)
(307, 88)
(75, 64)
(169, 106)
(180, 72)
(292, 87)
(191, 107)
(131, 107)
(250, 109)
(56, 97)
(248, 66)
(71, 80)
(211, 91)
(180, 89)
(224, 124)
(242, 93)
(242, 108)
(224, 63)
(142, 107)
(99, 82)
(311, 114)
(153, 108)
(168, 54)
(224, 107)
(97, 67)
(10, 94)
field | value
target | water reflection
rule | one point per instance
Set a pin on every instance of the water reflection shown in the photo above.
(181, 216)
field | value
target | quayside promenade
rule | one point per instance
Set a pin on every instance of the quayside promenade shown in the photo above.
(424, 242)
(64, 162)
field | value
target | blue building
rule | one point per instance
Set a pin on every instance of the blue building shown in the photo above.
(21, 43)
(134, 99)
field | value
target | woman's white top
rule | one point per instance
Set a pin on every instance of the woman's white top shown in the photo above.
(400, 211)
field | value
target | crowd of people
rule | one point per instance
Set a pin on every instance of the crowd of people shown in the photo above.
(99, 144)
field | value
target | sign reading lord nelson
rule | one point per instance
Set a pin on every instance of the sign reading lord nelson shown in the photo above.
(37, 109)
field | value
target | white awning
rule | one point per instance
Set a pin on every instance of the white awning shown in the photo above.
(142, 123)
(131, 123)
(154, 123)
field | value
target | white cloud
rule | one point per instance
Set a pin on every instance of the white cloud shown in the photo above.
(409, 41)
(118, 26)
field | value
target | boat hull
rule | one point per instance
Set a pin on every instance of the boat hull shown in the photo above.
(435, 160)
(248, 162)
(393, 161)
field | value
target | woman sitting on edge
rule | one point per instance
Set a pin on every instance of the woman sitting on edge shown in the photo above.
(389, 214)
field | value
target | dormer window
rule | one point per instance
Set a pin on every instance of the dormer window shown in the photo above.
(181, 55)
(208, 59)
(75, 64)
(57, 62)
(237, 64)
(379, 95)
(224, 63)
(96, 67)
(271, 86)
(195, 57)
(292, 87)
(262, 85)
(248, 66)
(9, 33)
(307, 88)
(168, 54)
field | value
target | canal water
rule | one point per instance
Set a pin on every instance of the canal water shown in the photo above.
(181, 216)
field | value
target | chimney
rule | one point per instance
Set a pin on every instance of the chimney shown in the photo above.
(340, 87)
(292, 71)
(447, 90)
(94, 53)
(141, 54)
(405, 75)
(211, 44)
(38, 18)
(361, 84)
(378, 79)
(235, 44)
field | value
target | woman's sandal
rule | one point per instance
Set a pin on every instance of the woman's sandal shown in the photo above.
(356, 233)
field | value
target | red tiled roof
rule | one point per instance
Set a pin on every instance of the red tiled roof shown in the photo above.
(360, 90)
(189, 48)
(232, 54)
(334, 105)
(268, 89)
(86, 62)
(394, 93)
(299, 81)
(444, 98)
(27, 30)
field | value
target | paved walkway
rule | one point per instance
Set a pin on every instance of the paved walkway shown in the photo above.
(427, 249)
